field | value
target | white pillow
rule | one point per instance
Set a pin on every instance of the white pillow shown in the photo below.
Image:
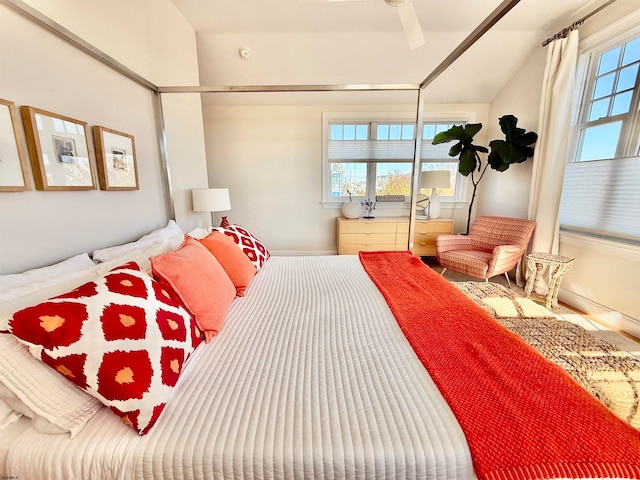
(199, 233)
(7, 414)
(21, 297)
(41, 391)
(72, 264)
(171, 230)
(112, 253)
(141, 255)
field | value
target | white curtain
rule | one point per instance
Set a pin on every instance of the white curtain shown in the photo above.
(550, 157)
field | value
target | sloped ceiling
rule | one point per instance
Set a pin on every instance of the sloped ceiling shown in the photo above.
(318, 42)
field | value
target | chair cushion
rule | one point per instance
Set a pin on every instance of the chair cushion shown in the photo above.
(474, 263)
(488, 232)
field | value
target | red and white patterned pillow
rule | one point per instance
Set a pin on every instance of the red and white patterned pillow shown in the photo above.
(250, 245)
(121, 338)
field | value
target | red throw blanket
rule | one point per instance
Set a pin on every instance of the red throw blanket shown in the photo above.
(522, 415)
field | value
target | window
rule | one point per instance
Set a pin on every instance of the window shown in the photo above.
(601, 192)
(609, 113)
(366, 159)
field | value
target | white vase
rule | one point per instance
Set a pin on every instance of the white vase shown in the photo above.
(434, 205)
(351, 210)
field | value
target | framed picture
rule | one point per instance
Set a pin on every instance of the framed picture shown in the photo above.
(117, 167)
(13, 158)
(59, 151)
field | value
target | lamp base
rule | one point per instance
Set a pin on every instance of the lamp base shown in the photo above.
(434, 204)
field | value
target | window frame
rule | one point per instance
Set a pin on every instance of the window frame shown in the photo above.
(588, 64)
(459, 200)
(627, 150)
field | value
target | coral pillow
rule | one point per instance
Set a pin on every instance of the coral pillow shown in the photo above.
(250, 245)
(200, 282)
(235, 263)
(121, 338)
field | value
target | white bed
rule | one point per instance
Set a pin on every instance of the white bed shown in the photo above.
(310, 377)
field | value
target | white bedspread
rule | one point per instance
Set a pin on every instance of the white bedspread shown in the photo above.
(309, 378)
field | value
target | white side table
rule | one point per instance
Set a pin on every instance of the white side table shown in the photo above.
(558, 266)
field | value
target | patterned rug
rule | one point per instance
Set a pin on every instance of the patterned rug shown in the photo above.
(612, 375)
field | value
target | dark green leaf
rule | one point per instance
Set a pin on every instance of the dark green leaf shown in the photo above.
(467, 162)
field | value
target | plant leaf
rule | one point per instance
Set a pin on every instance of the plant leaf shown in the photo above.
(514, 148)
(467, 162)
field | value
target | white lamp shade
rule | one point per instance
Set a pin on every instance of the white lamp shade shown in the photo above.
(211, 200)
(434, 179)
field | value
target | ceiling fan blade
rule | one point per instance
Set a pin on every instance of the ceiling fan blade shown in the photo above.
(411, 26)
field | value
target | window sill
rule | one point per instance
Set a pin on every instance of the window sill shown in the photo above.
(396, 205)
(621, 248)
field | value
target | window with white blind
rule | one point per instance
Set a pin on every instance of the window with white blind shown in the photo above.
(365, 158)
(601, 192)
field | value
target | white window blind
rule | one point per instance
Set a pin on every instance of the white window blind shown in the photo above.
(389, 151)
(602, 198)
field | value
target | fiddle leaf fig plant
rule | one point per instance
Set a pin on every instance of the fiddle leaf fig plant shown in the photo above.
(515, 148)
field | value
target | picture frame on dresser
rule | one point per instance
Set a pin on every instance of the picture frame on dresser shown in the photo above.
(116, 154)
(59, 150)
(13, 157)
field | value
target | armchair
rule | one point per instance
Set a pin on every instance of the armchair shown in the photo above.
(494, 246)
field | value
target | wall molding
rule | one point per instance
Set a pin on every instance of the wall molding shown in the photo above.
(605, 315)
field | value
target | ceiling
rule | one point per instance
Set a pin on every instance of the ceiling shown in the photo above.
(314, 42)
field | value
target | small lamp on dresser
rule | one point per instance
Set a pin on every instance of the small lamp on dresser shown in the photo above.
(211, 200)
(434, 179)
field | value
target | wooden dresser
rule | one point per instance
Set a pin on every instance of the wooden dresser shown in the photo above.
(389, 233)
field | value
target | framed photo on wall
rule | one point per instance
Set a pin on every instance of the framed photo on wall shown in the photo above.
(59, 151)
(13, 158)
(116, 152)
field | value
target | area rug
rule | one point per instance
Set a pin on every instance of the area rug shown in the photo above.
(612, 375)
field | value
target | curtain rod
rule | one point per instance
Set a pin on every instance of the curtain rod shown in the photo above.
(563, 33)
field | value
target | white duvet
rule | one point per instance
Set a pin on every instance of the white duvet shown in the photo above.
(310, 377)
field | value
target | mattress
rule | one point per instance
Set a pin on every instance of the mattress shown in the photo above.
(310, 377)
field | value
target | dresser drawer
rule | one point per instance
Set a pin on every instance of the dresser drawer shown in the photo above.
(434, 226)
(368, 227)
(368, 238)
(424, 247)
(426, 232)
(354, 249)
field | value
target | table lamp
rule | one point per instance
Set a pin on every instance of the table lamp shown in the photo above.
(434, 179)
(211, 200)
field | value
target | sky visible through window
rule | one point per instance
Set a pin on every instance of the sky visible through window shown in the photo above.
(610, 102)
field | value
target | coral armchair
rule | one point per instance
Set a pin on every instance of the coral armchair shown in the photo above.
(494, 246)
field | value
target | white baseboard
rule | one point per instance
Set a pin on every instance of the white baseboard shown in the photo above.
(302, 253)
(606, 315)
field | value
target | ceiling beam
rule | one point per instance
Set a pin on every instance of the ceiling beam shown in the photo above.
(472, 38)
(293, 88)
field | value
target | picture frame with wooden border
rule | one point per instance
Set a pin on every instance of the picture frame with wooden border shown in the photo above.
(59, 150)
(116, 154)
(13, 157)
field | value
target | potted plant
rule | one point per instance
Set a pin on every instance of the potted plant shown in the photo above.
(515, 148)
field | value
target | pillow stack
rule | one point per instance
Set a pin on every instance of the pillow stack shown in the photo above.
(122, 335)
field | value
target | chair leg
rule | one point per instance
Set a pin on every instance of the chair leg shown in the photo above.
(507, 277)
(442, 272)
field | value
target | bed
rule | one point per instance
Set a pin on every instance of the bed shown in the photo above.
(310, 377)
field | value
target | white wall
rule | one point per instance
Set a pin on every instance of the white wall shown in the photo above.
(152, 38)
(270, 159)
(507, 193)
(42, 70)
(604, 279)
